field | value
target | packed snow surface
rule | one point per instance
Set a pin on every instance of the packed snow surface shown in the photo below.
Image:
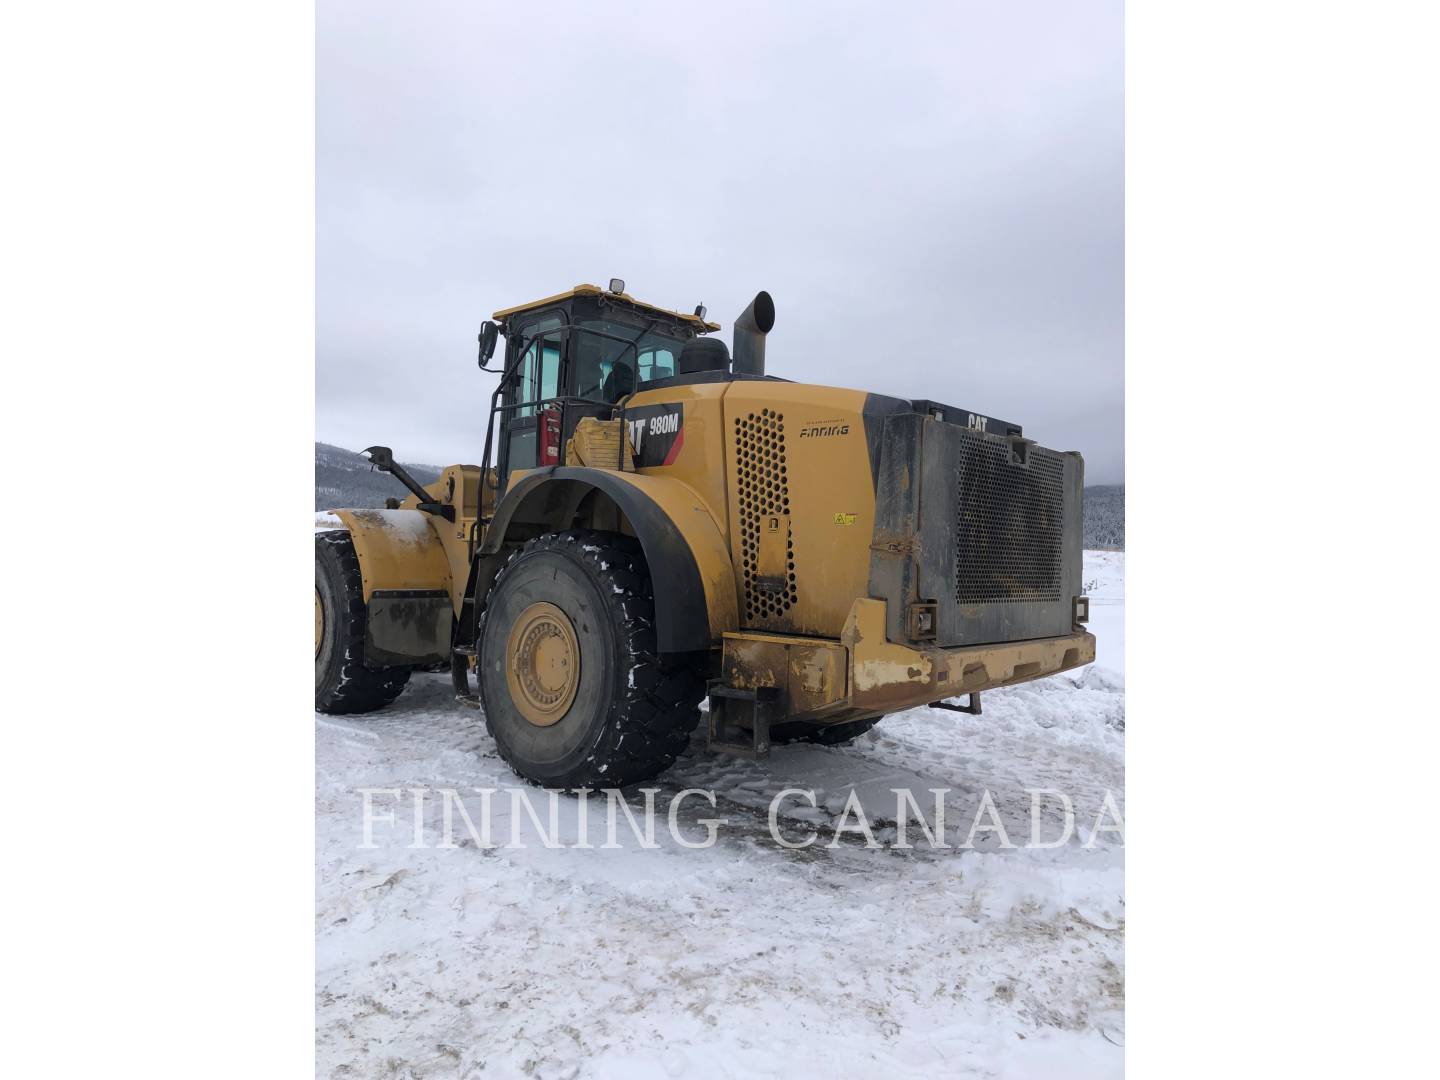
(746, 958)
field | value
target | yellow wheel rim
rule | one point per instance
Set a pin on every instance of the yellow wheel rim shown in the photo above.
(543, 664)
(319, 622)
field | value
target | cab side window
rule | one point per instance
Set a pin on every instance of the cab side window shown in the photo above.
(538, 376)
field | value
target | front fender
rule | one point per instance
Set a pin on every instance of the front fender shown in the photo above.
(397, 549)
(685, 548)
(406, 583)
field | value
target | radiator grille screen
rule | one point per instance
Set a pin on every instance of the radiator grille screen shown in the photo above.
(1009, 523)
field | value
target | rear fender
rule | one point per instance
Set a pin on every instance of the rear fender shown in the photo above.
(685, 548)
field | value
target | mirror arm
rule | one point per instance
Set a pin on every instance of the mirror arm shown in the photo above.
(382, 458)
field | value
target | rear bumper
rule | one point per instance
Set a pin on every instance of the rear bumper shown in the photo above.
(864, 675)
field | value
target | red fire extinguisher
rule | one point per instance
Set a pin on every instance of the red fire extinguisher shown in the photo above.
(549, 438)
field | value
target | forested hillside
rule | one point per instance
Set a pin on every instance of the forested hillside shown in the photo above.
(1105, 516)
(344, 478)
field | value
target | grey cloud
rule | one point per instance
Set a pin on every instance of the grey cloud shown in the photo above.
(933, 194)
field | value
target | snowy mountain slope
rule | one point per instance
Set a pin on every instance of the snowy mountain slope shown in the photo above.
(743, 959)
(344, 478)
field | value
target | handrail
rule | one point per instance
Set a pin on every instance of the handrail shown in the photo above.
(631, 345)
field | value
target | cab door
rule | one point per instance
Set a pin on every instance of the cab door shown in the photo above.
(537, 380)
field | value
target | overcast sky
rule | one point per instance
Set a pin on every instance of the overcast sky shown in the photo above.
(933, 193)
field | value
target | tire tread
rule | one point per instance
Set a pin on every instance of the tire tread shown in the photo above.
(651, 723)
(352, 687)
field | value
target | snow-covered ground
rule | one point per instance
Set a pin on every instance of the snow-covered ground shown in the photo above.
(745, 958)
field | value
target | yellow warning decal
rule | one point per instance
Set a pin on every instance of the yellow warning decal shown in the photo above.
(844, 519)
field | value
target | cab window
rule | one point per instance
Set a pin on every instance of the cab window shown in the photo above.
(611, 359)
(657, 363)
(538, 376)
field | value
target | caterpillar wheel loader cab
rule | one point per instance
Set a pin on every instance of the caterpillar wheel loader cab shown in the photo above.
(656, 520)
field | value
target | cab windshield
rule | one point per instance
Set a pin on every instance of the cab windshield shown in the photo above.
(608, 366)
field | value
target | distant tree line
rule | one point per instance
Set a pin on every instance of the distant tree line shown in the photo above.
(1105, 516)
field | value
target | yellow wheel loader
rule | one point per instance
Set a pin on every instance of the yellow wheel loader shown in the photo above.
(657, 521)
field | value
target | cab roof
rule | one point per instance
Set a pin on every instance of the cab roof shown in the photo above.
(594, 290)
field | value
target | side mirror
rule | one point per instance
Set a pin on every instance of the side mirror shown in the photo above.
(380, 456)
(488, 333)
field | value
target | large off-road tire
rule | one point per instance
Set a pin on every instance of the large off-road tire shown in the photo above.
(824, 734)
(574, 692)
(343, 684)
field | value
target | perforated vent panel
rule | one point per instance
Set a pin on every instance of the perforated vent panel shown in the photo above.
(1009, 524)
(763, 497)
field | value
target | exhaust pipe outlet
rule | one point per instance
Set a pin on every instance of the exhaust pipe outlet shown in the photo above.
(754, 323)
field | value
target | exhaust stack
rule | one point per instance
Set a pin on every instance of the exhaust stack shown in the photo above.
(750, 329)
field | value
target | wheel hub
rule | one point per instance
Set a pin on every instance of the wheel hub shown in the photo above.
(319, 622)
(543, 669)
